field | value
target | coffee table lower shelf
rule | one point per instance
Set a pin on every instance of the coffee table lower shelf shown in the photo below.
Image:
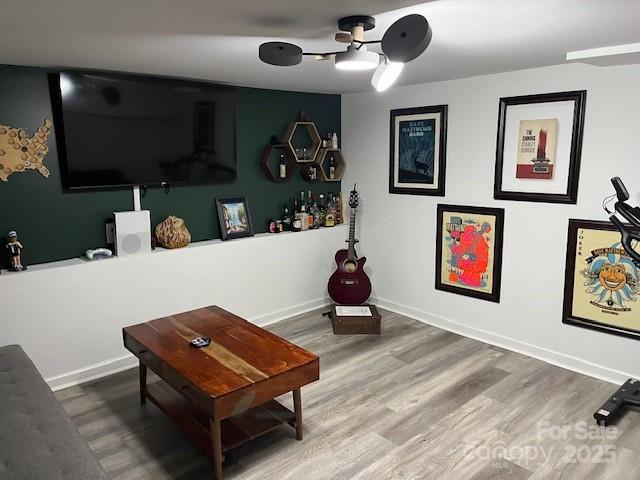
(235, 430)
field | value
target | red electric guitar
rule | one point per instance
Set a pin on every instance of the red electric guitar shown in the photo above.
(349, 284)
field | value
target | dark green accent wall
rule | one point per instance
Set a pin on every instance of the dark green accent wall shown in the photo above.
(55, 225)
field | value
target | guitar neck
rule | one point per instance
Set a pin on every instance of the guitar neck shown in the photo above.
(351, 250)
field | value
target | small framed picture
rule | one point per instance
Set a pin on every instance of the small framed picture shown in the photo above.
(601, 280)
(418, 150)
(469, 251)
(539, 146)
(234, 217)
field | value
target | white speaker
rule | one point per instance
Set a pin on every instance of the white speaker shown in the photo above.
(133, 232)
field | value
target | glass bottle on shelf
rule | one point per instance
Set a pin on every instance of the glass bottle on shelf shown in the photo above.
(317, 222)
(286, 218)
(322, 207)
(304, 218)
(329, 217)
(332, 168)
(310, 218)
(283, 167)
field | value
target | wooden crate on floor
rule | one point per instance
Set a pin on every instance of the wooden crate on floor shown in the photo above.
(356, 324)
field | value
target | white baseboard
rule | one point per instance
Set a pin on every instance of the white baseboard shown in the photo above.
(92, 372)
(569, 362)
(109, 367)
(273, 317)
(555, 358)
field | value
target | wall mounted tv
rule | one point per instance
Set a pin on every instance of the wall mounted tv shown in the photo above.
(116, 130)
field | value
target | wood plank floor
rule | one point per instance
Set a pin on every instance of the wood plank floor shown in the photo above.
(414, 403)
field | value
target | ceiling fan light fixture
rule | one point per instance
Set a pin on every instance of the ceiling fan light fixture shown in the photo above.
(407, 38)
(355, 59)
(386, 74)
(281, 54)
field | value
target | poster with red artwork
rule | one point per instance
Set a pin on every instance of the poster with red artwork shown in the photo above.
(469, 251)
(537, 148)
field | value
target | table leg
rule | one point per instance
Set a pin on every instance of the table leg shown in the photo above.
(143, 382)
(216, 443)
(297, 408)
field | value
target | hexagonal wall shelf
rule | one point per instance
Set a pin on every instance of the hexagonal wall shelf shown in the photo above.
(291, 137)
(324, 159)
(270, 162)
(306, 174)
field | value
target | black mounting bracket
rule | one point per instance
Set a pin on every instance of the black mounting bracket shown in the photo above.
(346, 24)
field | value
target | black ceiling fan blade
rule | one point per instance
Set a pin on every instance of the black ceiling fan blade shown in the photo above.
(281, 54)
(407, 38)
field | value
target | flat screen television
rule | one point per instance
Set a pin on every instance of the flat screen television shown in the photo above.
(117, 130)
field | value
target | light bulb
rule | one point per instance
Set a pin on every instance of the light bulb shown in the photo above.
(386, 74)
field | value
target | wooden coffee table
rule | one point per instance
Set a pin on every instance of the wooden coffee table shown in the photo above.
(221, 395)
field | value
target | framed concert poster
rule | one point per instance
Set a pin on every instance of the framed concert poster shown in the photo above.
(539, 146)
(601, 280)
(234, 218)
(418, 150)
(469, 251)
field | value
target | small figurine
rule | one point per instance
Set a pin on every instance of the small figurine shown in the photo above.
(15, 248)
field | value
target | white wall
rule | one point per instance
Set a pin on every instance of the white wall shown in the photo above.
(398, 231)
(68, 316)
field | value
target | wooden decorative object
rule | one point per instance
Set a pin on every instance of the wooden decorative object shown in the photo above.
(323, 161)
(316, 141)
(270, 169)
(356, 324)
(222, 395)
(173, 233)
(19, 152)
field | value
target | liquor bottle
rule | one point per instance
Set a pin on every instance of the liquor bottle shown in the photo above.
(304, 220)
(286, 218)
(283, 167)
(296, 225)
(317, 223)
(334, 140)
(334, 199)
(332, 168)
(322, 207)
(329, 217)
(310, 217)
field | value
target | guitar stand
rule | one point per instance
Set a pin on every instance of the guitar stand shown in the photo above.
(628, 395)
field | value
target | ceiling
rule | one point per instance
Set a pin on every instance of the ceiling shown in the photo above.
(218, 39)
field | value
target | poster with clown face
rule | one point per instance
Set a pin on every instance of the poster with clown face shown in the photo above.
(469, 251)
(602, 280)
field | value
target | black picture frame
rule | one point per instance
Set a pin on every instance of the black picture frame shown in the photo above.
(226, 231)
(498, 213)
(579, 97)
(567, 308)
(441, 161)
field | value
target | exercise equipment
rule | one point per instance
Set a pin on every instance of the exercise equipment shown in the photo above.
(628, 395)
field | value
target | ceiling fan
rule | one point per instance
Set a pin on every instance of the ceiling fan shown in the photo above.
(405, 40)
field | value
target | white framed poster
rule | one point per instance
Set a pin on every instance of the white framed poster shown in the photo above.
(539, 146)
